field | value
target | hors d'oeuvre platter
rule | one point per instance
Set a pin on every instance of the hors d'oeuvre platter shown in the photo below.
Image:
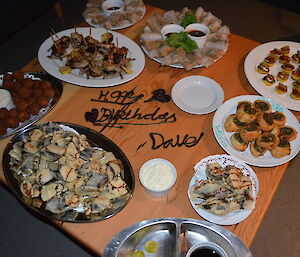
(114, 14)
(273, 70)
(68, 172)
(91, 57)
(223, 189)
(257, 130)
(176, 48)
(26, 97)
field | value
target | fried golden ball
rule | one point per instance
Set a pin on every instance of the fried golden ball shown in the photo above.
(3, 113)
(46, 84)
(12, 113)
(31, 100)
(43, 101)
(22, 105)
(36, 83)
(17, 85)
(12, 122)
(24, 92)
(8, 84)
(19, 75)
(37, 92)
(48, 92)
(3, 129)
(23, 116)
(34, 109)
(28, 83)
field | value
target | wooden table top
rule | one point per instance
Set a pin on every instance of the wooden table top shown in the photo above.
(229, 73)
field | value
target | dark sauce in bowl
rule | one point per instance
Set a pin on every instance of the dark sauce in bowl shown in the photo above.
(197, 33)
(113, 8)
(204, 252)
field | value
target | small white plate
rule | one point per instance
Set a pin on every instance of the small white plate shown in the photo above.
(233, 217)
(197, 94)
(255, 57)
(223, 137)
(52, 65)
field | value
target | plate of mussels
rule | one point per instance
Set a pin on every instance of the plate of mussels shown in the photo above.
(61, 171)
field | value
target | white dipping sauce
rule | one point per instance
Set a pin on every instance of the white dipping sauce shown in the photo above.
(157, 176)
(5, 98)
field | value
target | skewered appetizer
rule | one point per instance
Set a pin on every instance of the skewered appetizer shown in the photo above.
(91, 57)
(226, 189)
(269, 80)
(262, 133)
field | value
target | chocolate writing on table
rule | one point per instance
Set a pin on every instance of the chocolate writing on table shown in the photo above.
(122, 113)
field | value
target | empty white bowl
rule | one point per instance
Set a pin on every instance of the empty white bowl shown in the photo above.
(195, 29)
(112, 6)
(169, 29)
(158, 176)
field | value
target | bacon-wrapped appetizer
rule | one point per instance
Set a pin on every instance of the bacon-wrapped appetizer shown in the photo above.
(262, 106)
(238, 143)
(265, 121)
(281, 88)
(282, 149)
(279, 119)
(250, 132)
(257, 150)
(267, 140)
(282, 76)
(269, 80)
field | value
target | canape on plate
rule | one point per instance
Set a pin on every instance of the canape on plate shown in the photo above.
(263, 69)
(282, 76)
(281, 88)
(238, 142)
(270, 60)
(269, 80)
(296, 57)
(287, 67)
(284, 59)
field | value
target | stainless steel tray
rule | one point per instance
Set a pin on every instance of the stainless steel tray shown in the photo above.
(175, 236)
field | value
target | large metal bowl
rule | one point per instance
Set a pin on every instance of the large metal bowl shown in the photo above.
(175, 236)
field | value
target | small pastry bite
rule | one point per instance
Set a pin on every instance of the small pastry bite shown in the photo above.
(232, 124)
(269, 80)
(285, 50)
(262, 106)
(214, 171)
(238, 143)
(281, 88)
(287, 133)
(276, 53)
(287, 67)
(250, 132)
(245, 112)
(284, 59)
(279, 119)
(295, 94)
(296, 74)
(296, 57)
(282, 76)
(269, 61)
(263, 69)
(257, 150)
(282, 149)
(265, 121)
(267, 140)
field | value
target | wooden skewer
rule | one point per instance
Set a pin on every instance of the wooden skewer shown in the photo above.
(54, 33)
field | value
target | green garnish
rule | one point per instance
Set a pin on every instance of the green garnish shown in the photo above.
(182, 40)
(188, 18)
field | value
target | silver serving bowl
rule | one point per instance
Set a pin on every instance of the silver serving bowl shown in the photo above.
(175, 236)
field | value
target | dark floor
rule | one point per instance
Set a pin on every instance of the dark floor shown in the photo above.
(24, 235)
